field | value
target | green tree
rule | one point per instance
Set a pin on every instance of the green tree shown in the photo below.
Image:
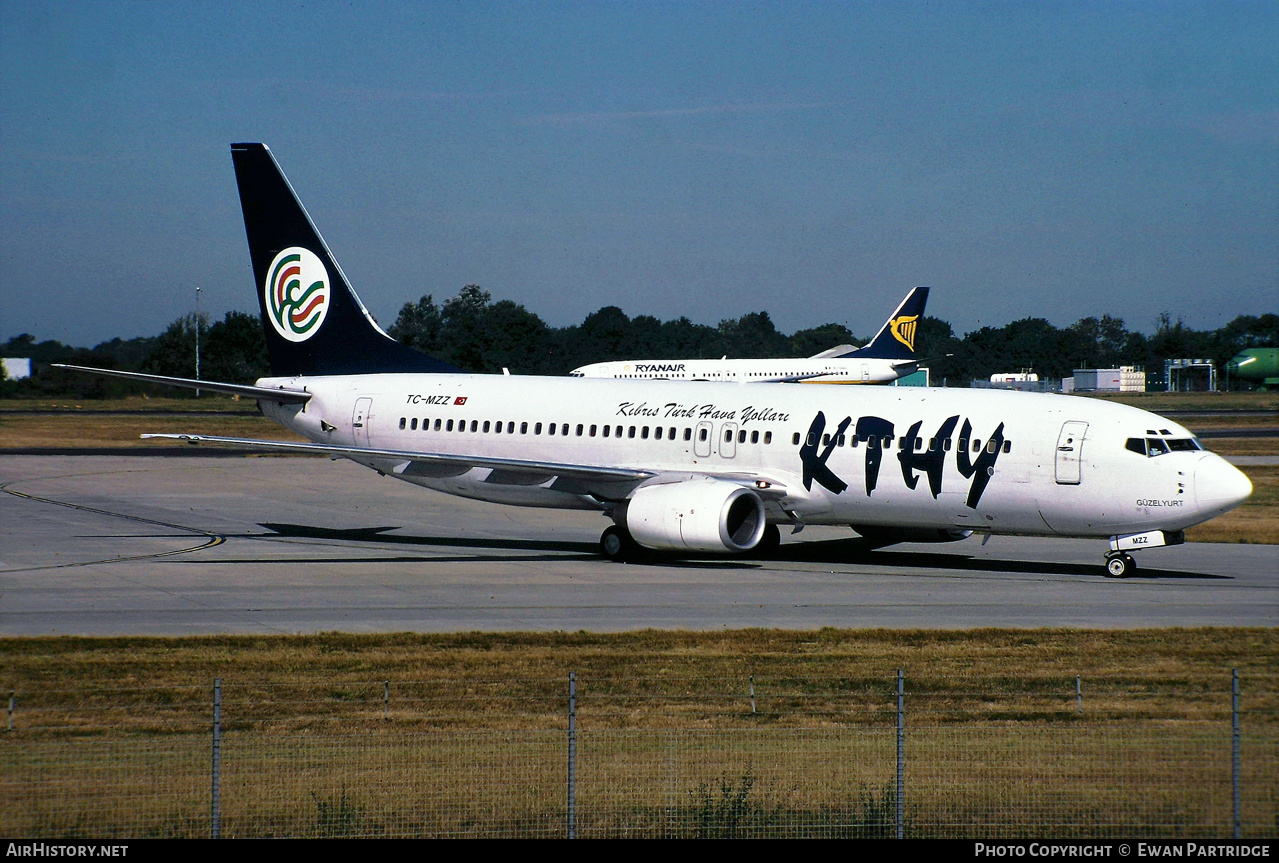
(174, 353)
(418, 325)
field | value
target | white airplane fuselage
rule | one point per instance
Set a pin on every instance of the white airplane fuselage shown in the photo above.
(867, 370)
(979, 460)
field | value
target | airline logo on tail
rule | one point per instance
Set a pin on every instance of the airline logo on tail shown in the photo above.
(297, 294)
(903, 329)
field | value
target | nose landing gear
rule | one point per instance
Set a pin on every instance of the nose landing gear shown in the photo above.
(1120, 565)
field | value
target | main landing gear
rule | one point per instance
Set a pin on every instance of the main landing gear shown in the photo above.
(616, 544)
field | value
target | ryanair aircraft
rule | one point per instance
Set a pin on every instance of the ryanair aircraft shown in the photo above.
(887, 357)
(717, 468)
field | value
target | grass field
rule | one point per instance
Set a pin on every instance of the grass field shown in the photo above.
(112, 736)
(632, 680)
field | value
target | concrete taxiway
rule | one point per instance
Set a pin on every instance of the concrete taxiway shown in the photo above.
(125, 545)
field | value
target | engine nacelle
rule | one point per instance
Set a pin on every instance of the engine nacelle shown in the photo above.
(890, 535)
(696, 515)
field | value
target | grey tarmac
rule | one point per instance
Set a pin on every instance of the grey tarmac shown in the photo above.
(194, 545)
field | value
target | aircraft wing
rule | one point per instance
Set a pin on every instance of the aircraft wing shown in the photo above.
(423, 462)
(580, 477)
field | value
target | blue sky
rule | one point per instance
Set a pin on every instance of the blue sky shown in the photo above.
(811, 160)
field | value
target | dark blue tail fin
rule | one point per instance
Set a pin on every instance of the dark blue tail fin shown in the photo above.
(896, 339)
(314, 322)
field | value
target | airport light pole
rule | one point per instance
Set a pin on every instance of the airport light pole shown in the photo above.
(198, 291)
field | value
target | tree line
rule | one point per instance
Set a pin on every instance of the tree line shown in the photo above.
(478, 334)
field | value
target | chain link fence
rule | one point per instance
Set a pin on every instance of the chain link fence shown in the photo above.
(521, 759)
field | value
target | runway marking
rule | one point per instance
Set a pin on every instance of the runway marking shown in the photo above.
(212, 541)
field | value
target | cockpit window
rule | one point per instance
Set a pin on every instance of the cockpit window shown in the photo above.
(1153, 446)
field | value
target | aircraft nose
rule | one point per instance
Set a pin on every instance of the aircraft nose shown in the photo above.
(1219, 485)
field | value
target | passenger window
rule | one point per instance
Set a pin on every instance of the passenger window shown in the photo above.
(523, 428)
(550, 429)
(795, 439)
(594, 429)
(657, 432)
(450, 425)
(754, 437)
(701, 434)
(579, 429)
(564, 429)
(644, 433)
(688, 434)
(475, 425)
(402, 423)
(606, 430)
(768, 437)
(630, 432)
(537, 428)
(486, 426)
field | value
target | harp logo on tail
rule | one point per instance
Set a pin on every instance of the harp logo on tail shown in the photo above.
(903, 329)
(297, 294)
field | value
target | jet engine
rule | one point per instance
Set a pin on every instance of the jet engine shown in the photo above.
(706, 514)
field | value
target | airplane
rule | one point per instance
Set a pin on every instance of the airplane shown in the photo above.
(716, 468)
(885, 358)
(1259, 366)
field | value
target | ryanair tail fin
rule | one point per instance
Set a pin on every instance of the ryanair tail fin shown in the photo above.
(896, 338)
(314, 322)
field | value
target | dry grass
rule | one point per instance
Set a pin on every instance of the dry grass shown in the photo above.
(112, 735)
(207, 402)
(1165, 402)
(647, 679)
(99, 431)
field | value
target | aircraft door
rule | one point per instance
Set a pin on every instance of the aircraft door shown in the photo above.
(702, 439)
(360, 421)
(1070, 451)
(728, 440)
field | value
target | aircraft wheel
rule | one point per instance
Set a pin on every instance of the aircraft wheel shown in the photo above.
(616, 544)
(1120, 565)
(770, 541)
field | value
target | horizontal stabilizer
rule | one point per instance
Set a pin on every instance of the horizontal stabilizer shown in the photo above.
(837, 351)
(283, 396)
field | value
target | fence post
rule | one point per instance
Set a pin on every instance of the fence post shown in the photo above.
(217, 756)
(10, 709)
(386, 701)
(572, 754)
(901, 749)
(752, 694)
(1234, 745)
(1079, 696)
